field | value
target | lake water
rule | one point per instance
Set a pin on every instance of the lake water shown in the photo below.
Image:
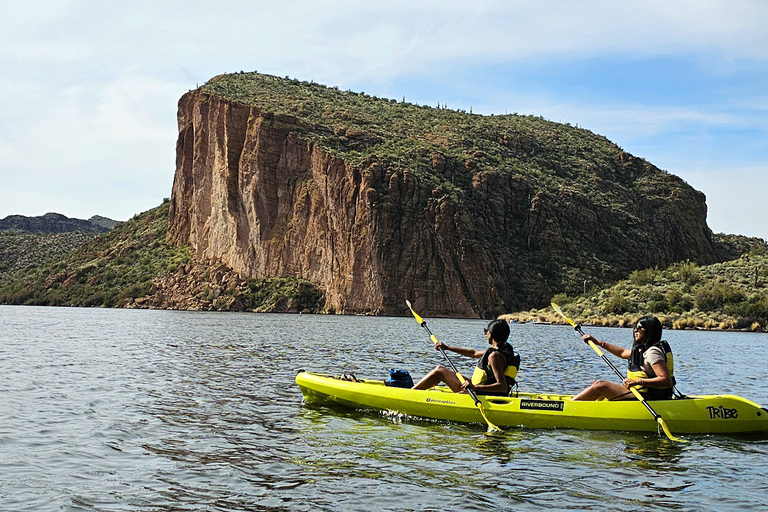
(136, 410)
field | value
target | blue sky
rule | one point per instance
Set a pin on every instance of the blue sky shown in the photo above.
(88, 123)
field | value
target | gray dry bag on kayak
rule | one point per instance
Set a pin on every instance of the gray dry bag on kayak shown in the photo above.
(399, 379)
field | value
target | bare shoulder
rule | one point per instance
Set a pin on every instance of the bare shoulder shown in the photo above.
(497, 356)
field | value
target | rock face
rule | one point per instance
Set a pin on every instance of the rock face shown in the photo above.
(248, 192)
(253, 192)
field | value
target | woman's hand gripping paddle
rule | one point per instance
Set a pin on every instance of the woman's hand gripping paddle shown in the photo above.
(491, 426)
(633, 389)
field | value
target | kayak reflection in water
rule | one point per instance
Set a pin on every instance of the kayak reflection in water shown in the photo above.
(495, 372)
(650, 366)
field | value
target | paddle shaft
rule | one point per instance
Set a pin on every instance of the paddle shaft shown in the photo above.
(577, 328)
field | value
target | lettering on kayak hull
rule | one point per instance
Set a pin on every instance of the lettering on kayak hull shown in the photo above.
(722, 413)
(542, 405)
(438, 401)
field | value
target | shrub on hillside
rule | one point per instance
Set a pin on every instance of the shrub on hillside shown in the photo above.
(678, 301)
(687, 272)
(712, 297)
(617, 303)
(755, 308)
(643, 277)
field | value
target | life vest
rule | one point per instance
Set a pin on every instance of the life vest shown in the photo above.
(483, 373)
(635, 368)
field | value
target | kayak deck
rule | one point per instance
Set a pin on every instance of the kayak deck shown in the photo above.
(705, 414)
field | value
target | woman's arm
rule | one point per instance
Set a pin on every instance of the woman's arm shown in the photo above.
(467, 352)
(662, 379)
(621, 352)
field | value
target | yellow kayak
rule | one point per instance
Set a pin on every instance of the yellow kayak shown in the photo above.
(703, 414)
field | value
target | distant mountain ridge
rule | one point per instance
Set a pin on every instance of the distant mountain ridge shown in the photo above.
(51, 223)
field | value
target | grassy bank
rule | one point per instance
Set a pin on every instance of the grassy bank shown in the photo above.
(723, 296)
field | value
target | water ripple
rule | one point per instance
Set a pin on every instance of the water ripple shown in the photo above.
(120, 410)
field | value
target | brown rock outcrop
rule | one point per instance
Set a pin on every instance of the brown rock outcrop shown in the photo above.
(195, 287)
(252, 192)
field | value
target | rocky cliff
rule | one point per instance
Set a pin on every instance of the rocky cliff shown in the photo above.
(376, 201)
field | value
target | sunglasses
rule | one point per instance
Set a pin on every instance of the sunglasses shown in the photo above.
(638, 328)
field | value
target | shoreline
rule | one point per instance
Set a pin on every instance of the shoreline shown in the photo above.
(689, 322)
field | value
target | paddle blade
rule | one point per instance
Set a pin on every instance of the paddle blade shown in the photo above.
(667, 432)
(659, 419)
(415, 315)
(560, 312)
(491, 427)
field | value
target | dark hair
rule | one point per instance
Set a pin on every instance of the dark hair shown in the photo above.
(499, 330)
(652, 329)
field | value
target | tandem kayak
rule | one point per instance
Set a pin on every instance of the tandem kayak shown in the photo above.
(704, 414)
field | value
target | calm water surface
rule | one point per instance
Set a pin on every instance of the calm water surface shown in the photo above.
(125, 410)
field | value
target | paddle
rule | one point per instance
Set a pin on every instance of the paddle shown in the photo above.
(491, 426)
(633, 389)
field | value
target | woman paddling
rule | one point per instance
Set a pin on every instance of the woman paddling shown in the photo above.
(495, 372)
(650, 366)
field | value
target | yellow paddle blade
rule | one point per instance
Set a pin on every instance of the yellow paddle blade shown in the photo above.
(415, 315)
(667, 432)
(491, 426)
(560, 312)
(659, 419)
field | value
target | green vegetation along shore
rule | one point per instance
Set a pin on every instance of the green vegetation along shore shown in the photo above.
(21, 251)
(732, 295)
(125, 267)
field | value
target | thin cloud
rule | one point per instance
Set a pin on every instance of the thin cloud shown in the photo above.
(95, 84)
(738, 199)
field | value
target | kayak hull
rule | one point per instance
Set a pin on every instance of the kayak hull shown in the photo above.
(705, 414)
